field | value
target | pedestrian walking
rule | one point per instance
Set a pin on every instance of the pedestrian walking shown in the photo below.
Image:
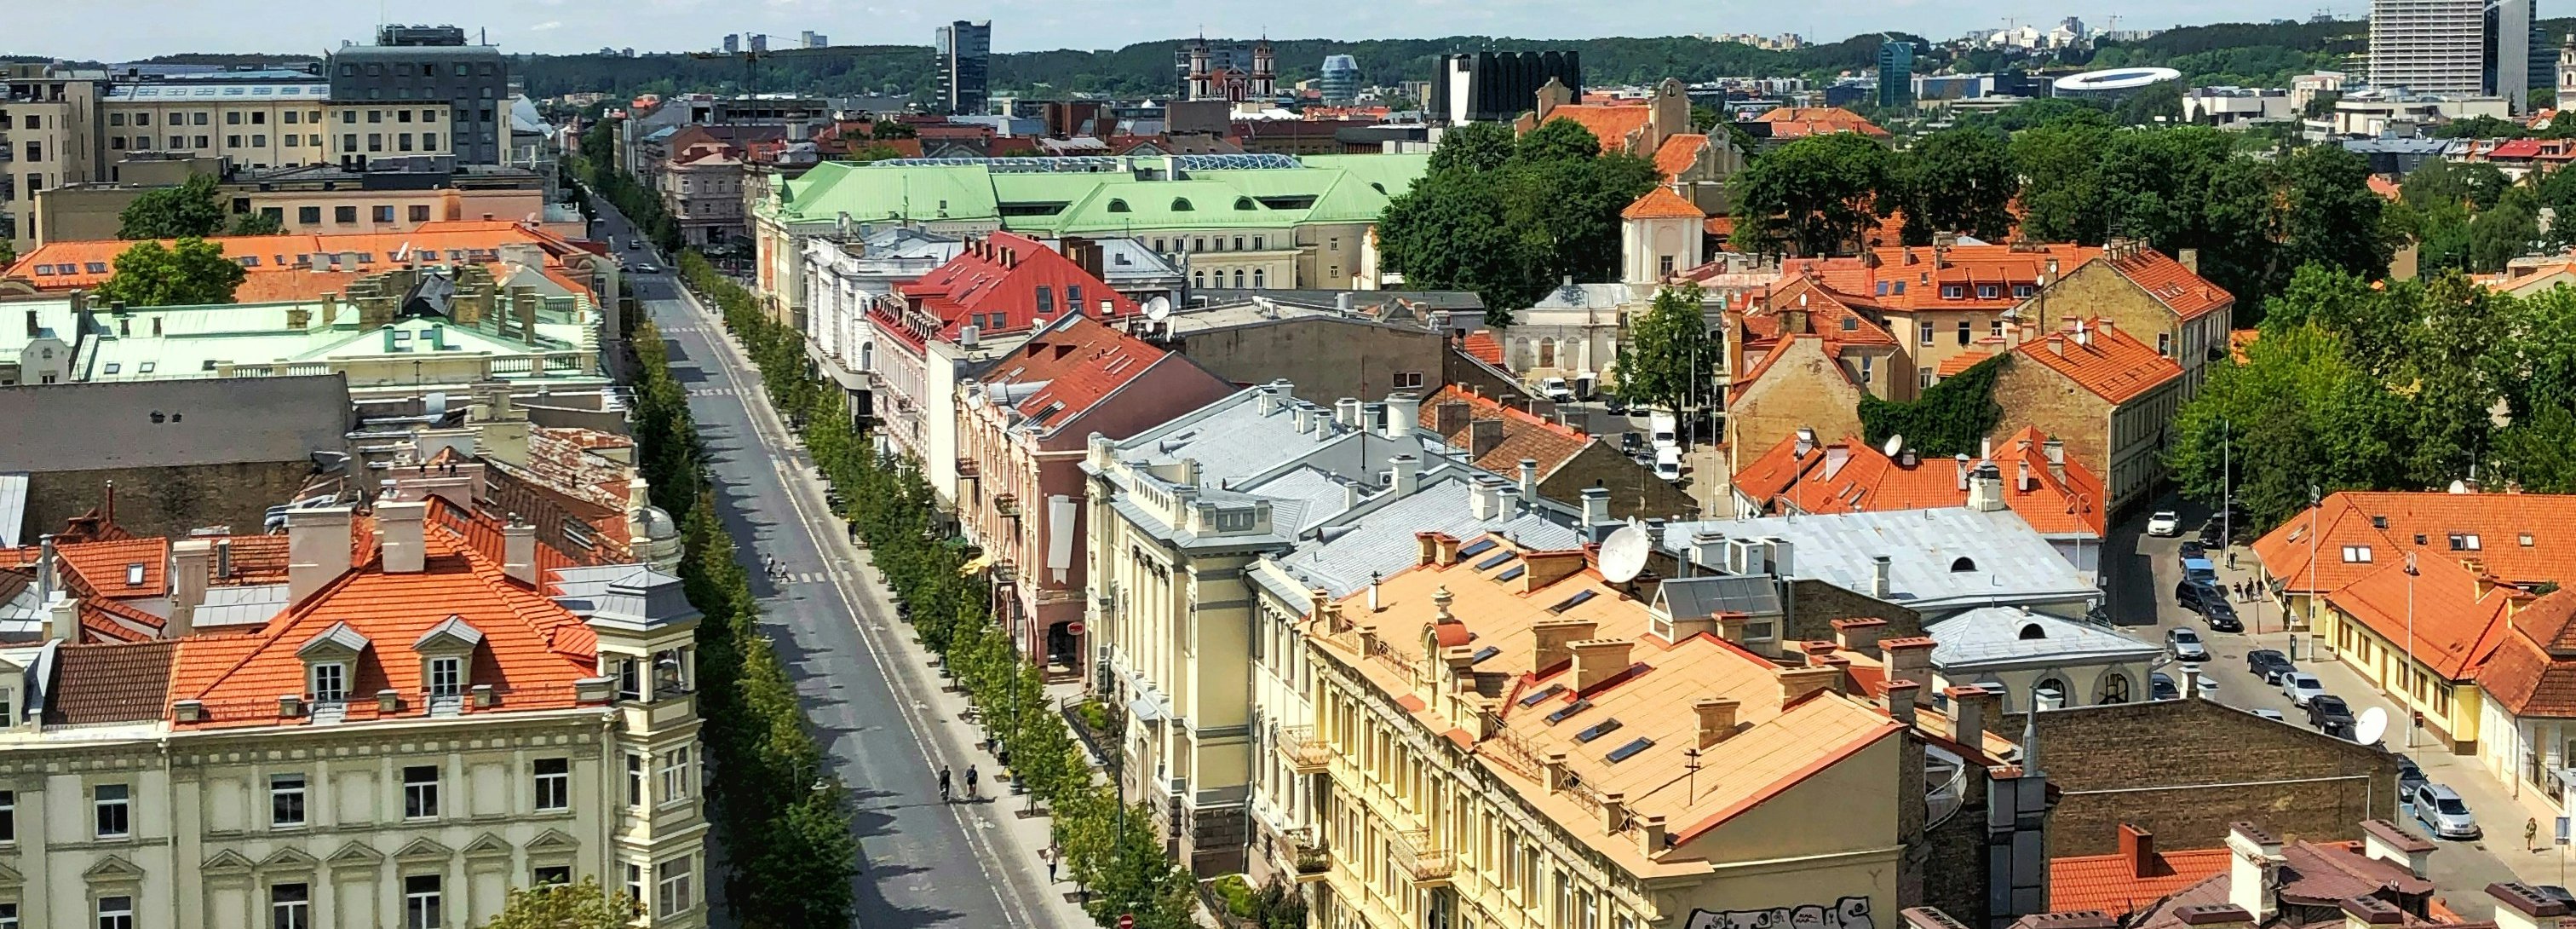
(1052, 857)
(970, 782)
(943, 783)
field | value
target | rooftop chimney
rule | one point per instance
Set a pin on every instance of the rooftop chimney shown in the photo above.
(402, 525)
(317, 549)
(1859, 635)
(1483, 436)
(1403, 413)
(2138, 848)
(1346, 412)
(1716, 719)
(2390, 842)
(62, 618)
(1529, 479)
(1900, 700)
(1596, 508)
(1598, 660)
(1968, 707)
(1407, 474)
(2253, 868)
(1880, 585)
(2518, 906)
(1908, 659)
(1797, 683)
(519, 552)
(190, 563)
(1552, 641)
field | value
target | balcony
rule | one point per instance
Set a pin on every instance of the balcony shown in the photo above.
(1008, 505)
(1311, 859)
(1427, 866)
(1305, 752)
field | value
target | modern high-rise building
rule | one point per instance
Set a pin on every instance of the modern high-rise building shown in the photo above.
(815, 39)
(407, 67)
(965, 58)
(759, 41)
(1499, 86)
(1341, 80)
(1896, 73)
(2442, 46)
(2504, 52)
(733, 43)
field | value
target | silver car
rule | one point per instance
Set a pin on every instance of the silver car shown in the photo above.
(2185, 645)
(2443, 814)
(2301, 687)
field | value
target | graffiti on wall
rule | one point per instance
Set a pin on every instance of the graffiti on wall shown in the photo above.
(1846, 913)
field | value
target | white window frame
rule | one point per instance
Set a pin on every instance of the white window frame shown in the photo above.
(674, 886)
(115, 912)
(123, 805)
(421, 908)
(447, 676)
(636, 781)
(554, 788)
(420, 798)
(336, 676)
(280, 789)
(676, 772)
(290, 914)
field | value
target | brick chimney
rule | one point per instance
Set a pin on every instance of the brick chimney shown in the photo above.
(317, 549)
(2518, 906)
(1716, 719)
(1908, 659)
(1596, 661)
(2138, 848)
(2390, 842)
(1483, 436)
(1449, 416)
(1552, 642)
(1797, 683)
(1970, 708)
(1900, 700)
(1859, 634)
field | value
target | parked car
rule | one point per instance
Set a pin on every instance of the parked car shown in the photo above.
(2161, 686)
(2164, 523)
(1554, 388)
(2443, 813)
(2200, 569)
(1614, 405)
(2197, 596)
(2185, 645)
(1668, 463)
(2268, 664)
(1631, 444)
(2221, 616)
(648, 268)
(2409, 776)
(635, 244)
(2328, 714)
(2301, 687)
(2192, 549)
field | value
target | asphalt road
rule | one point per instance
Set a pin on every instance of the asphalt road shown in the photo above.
(925, 863)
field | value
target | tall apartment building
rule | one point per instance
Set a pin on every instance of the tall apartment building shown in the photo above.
(2458, 47)
(1341, 80)
(1499, 86)
(410, 714)
(965, 59)
(259, 119)
(49, 137)
(459, 92)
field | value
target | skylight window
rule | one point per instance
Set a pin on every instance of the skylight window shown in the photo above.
(1571, 602)
(1484, 653)
(1599, 729)
(1514, 574)
(1481, 547)
(1489, 563)
(1567, 711)
(1534, 699)
(1630, 750)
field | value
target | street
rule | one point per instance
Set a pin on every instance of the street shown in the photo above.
(2460, 867)
(867, 692)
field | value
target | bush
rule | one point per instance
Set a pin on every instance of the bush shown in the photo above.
(1238, 896)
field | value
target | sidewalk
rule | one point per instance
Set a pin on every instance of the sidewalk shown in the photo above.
(1013, 839)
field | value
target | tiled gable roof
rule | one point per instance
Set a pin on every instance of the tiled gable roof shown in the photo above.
(1836, 316)
(2454, 624)
(86, 263)
(2103, 360)
(1525, 435)
(1678, 153)
(2188, 295)
(2528, 677)
(1906, 279)
(1002, 275)
(1482, 345)
(2114, 885)
(2521, 538)
(109, 683)
(1611, 123)
(1852, 476)
(1077, 362)
(1662, 203)
(1791, 122)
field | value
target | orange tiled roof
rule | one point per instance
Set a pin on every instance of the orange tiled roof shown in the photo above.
(1525, 435)
(2189, 295)
(87, 263)
(2521, 538)
(2382, 185)
(1483, 346)
(2454, 623)
(1679, 151)
(2533, 671)
(1853, 476)
(1836, 316)
(1609, 122)
(106, 566)
(2103, 360)
(1791, 122)
(1906, 279)
(1962, 362)
(2115, 886)
(1662, 203)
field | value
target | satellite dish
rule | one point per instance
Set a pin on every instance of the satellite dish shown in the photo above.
(1158, 308)
(1623, 554)
(2459, 486)
(1895, 443)
(2372, 725)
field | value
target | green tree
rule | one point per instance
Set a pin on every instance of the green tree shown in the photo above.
(1812, 196)
(892, 129)
(2504, 232)
(1669, 353)
(8, 254)
(257, 224)
(2438, 181)
(2297, 414)
(2062, 193)
(1948, 418)
(190, 272)
(190, 209)
(1508, 218)
(1956, 180)
(2480, 127)
(2333, 217)
(564, 906)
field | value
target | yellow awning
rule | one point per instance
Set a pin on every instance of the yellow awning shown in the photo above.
(977, 563)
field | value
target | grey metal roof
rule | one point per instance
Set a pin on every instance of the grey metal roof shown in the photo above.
(1995, 638)
(340, 634)
(1709, 594)
(1940, 560)
(13, 508)
(1382, 541)
(1315, 495)
(171, 423)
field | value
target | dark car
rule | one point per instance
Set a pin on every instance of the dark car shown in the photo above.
(2268, 664)
(1615, 405)
(2197, 596)
(2161, 686)
(2191, 550)
(2328, 714)
(2221, 615)
(2409, 776)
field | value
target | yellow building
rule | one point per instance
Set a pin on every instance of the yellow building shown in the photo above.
(48, 138)
(1501, 738)
(259, 119)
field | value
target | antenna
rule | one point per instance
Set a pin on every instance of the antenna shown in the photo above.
(1895, 443)
(1623, 554)
(1159, 308)
(2372, 725)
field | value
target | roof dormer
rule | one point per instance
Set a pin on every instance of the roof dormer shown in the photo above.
(447, 663)
(330, 664)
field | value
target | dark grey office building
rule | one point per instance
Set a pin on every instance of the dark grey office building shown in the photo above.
(415, 63)
(1499, 86)
(965, 59)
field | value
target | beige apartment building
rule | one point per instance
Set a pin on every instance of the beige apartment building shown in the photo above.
(48, 137)
(258, 119)
(320, 198)
(414, 711)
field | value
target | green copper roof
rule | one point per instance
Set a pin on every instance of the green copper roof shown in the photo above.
(1329, 188)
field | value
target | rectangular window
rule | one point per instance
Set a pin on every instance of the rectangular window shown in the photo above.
(1924, 331)
(196, 119)
(634, 780)
(676, 775)
(143, 119)
(1046, 299)
(178, 141)
(286, 800)
(420, 902)
(2164, 344)
(1954, 291)
(402, 116)
(349, 142)
(375, 141)
(8, 916)
(1996, 330)
(348, 117)
(554, 783)
(446, 675)
(674, 891)
(290, 906)
(375, 116)
(308, 215)
(330, 682)
(110, 802)
(402, 142)
(232, 118)
(116, 913)
(344, 214)
(549, 876)
(1923, 376)
(419, 213)
(635, 884)
(8, 816)
(258, 141)
(116, 119)
(420, 792)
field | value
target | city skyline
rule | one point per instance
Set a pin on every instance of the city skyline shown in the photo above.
(578, 26)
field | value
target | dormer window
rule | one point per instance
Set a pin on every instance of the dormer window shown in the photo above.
(447, 656)
(446, 677)
(330, 682)
(330, 663)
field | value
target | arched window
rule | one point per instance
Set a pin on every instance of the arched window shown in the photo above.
(2033, 631)
(1257, 275)
(1547, 353)
(2049, 693)
(1181, 205)
(1238, 278)
(1964, 564)
(1117, 205)
(1245, 203)
(2115, 689)
(1198, 278)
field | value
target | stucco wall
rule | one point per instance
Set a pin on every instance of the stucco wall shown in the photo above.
(1326, 360)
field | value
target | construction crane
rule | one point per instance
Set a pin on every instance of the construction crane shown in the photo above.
(750, 66)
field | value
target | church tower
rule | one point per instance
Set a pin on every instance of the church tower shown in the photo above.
(1264, 79)
(2566, 71)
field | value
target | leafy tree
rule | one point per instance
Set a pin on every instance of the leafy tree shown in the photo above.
(2505, 232)
(2322, 105)
(1948, 418)
(892, 129)
(1812, 196)
(189, 209)
(2538, 452)
(2480, 127)
(1669, 353)
(8, 253)
(2476, 183)
(1508, 218)
(2062, 192)
(257, 224)
(2297, 414)
(1956, 180)
(2333, 217)
(190, 272)
(564, 906)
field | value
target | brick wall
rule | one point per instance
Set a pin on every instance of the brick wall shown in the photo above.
(1634, 489)
(2096, 290)
(1804, 388)
(2217, 765)
(1326, 359)
(1814, 605)
(167, 501)
(2032, 394)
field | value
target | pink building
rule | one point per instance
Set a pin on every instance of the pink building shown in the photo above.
(1023, 428)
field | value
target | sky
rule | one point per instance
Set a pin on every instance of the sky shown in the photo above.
(113, 30)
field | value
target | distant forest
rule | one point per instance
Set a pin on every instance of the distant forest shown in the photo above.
(2225, 53)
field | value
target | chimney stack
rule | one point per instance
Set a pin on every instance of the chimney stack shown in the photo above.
(1860, 634)
(403, 525)
(1716, 719)
(1968, 706)
(62, 618)
(1908, 659)
(1881, 583)
(1529, 479)
(519, 552)
(1797, 683)
(1552, 641)
(2518, 906)
(1407, 474)
(1597, 661)
(1483, 435)
(317, 549)
(1900, 700)
(2255, 863)
(2138, 847)
(1403, 412)
(1596, 511)
(190, 561)
(2390, 842)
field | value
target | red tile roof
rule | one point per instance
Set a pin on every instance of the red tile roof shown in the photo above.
(1078, 363)
(1959, 277)
(112, 683)
(87, 263)
(1853, 476)
(2113, 884)
(1792, 122)
(2533, 671)
(2187, 294)
(2103, 360)
(1482, 345)
(1609, 122)
(1662, 203)
(1525, 435)
(1002, 275)
(2521, 538)
(1838, 317)
(1678, 153)
(1962, 362)
(2454, 624)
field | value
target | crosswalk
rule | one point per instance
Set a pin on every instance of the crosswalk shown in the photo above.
(807, 577)
(714, 392)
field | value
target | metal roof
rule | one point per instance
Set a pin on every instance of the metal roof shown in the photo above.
(1996, 638)
(1382, 542)
(13, 509)
(1941, 561)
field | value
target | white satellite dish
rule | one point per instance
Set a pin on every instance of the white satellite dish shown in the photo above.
(1895, 443)
(2372, 725)
(1158, 308)
(1623, 554)
(2459, 486)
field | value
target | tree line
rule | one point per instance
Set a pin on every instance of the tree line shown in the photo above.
(1510, 217)
(1111, 850)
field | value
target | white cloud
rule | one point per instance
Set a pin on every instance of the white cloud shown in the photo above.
(546, 26)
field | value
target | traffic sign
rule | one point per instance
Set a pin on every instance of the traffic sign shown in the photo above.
(1073, 628)
(1126, 921)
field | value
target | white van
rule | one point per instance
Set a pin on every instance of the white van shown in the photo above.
(1664, 430)
(1668, 463)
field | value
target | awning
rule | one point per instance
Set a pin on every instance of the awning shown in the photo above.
(977, 563)
(1145, 710)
